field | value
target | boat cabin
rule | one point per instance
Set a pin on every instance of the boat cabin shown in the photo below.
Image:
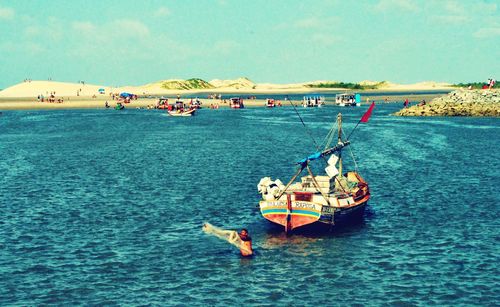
(178, 106)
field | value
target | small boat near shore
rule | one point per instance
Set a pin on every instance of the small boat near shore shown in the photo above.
(162, 104)
(195, 104)
(236, 103)
(189, 112)
(180, 109)
(348, 100)
(313, 101)
(335, 198)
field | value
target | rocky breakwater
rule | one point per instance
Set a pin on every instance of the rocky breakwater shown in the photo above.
(461, 102)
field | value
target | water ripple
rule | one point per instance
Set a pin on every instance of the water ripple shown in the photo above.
(105, 208)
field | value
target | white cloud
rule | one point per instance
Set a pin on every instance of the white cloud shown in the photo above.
(9, 47)
(389, 5)
(125, 40)
(22, 47)
(454, 8)
(6, 13)
(452, 19)
(130, 28)
(116, 29)
(34, 48)
(324, 39)
(454, 13)
(162, 12)
(32, 31)
(311, 22)
(487, 32)
(84, 26)
(486, 7)
(225, 47)
(315, 23)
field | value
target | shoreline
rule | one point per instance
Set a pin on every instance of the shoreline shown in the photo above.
(7, 104)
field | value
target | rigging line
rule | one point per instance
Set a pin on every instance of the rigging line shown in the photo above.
(328, 138)
(352, 131)
(307, 130)
(352, 155)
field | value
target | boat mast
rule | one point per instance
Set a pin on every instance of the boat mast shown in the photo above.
(339, 123)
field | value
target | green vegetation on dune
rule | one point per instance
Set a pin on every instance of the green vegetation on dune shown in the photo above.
(190, 84)
(346, 85)
(199, 83)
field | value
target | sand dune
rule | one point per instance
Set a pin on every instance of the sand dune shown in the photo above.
(35, 88)
(167, 87)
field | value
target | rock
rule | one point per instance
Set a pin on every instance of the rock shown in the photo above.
(461, 102)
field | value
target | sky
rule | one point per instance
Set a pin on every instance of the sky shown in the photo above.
(129, 42)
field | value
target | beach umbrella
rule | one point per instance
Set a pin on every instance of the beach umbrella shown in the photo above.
(125, 95)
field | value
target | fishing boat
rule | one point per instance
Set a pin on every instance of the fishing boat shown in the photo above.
(313, 101)
(334, 198)
(348, 100)
(236, 103)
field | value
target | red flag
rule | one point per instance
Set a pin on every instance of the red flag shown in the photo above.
(368, 113)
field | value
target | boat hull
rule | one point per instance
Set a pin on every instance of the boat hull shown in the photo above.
(304, 207)
(310, 214)
(185, 113)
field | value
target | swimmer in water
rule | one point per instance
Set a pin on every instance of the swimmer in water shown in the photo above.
(247, 243)
(241, 240)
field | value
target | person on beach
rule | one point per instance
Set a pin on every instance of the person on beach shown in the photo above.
(247, 242)
(492, 83)
(406, 103)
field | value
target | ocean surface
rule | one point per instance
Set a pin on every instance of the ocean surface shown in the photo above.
(105, 207)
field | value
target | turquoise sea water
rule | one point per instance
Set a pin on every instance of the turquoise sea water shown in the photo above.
(104, 207)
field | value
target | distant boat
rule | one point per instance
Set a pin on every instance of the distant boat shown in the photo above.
(180, 109)
(270, 103)
(348, 100)
(327, 200)
(236, 103)
(195, 104)
(189, 112)
(313, 101)
(162, 104)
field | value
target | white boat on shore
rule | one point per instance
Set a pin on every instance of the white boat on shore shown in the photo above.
(348, 100)
(313, 101)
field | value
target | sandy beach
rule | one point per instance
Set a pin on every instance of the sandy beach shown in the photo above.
(99, 102)
(27, 95)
